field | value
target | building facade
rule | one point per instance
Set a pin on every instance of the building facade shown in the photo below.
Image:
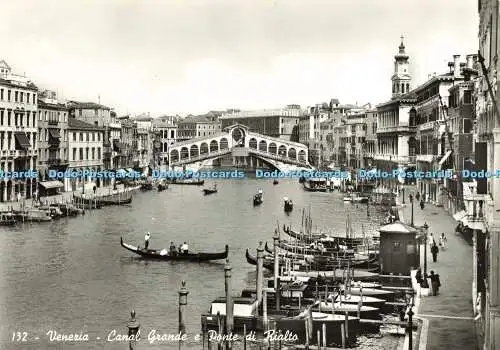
(85, 147)
(435, 144)
(279, 123)
(18, 133)
(483, 202)
(370, 146)
(52, 142)
(167, 132)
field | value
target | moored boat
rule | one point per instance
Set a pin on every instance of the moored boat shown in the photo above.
(164, 254)
(315, 185)
(7, 219)
(275, 182)
(38, 215)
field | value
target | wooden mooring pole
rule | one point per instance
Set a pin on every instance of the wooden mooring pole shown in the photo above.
(229, 303)
(183, 293)
(133, 330)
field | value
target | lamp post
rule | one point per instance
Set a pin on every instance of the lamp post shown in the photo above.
(404, 195)
(426, 229)
(411, 201)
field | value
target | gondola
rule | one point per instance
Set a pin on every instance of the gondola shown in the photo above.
(190, 181)
(257, 199)
(288, 205)
(147, 186)
(212, 190)
(163, 254)
(162, 187)
(275, 182)
(267, 264)
(7, 219)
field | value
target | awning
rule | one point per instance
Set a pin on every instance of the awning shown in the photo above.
(54, 133)
(22, 139)
(445, 157)
(459, 215)
(51, 184)
(476, 225)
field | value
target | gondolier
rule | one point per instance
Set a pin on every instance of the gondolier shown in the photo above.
(146, 240)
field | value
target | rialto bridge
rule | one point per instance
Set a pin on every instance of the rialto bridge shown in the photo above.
(247, 149)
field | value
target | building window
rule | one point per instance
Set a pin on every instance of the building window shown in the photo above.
(16, 96)
(99, 153)
(8, 95)
(467, 97)
(74, 154)
(74, 136)
(87, 153)
(27, 97)
(80, 112)
(93, 138)
(81, 153)
(81, 136)
(93, 152)
(1, 94)
(96, 112)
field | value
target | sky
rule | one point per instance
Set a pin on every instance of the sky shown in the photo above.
(193, 56)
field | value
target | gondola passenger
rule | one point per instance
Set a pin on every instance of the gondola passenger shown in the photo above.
(184, 248)
(172, 249)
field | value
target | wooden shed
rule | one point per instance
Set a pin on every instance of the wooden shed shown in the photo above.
(399, 251)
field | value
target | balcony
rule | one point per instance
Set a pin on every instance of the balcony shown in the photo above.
(427, 158)
(406, 160)
(20, 153)
(426, 126)
(54, 161)
(402, 127)
(53, 122)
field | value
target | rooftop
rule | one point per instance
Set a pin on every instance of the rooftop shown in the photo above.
(276, 112)
(87, 105)
(76, 124)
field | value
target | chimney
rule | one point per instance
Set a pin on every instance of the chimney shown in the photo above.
(456, 66)
(470, 61)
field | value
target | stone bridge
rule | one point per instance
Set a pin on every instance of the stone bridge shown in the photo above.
(245, 148)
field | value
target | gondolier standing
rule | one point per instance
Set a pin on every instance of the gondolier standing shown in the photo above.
(146, 240)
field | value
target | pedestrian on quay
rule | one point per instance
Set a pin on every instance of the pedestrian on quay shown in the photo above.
(442, 241)
(146, 240)
(418, 275)
(432, 241)
(435, 283)
(418, 196)
(434, 252)
(422, 205)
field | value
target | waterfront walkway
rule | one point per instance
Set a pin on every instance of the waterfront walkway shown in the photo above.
(63, 197)
(450, 314)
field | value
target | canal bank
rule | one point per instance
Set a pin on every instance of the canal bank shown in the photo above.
(448, 317)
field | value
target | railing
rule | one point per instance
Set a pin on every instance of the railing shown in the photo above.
(279, 158)
(200, 157)
(53, 122)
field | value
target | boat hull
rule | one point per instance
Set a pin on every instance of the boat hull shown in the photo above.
(156, 254)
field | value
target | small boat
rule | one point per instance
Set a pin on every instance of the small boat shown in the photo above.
(7, 219)
(38, 215)
(315, 185)
(164, 254)
(275, 182)
(189, 181)
(257, 198)
(148, 186)
(288, 205)
(356, 299)
(207, 191)
(162, 186)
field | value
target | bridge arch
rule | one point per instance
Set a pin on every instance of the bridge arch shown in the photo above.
(252, 143)
(302, 156)
(223, 144)
(194, 151)
(184, 153)
(282, 150)
(174, 156)
(292, 153)
(214, 146)
(203, 148)
(273, 148)
(263, 146)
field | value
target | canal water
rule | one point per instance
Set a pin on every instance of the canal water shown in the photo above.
(72, 276)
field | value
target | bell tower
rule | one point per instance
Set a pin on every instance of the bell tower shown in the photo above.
(401, 79)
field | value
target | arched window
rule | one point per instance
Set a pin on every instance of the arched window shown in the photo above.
(413, 117)
(407, 87)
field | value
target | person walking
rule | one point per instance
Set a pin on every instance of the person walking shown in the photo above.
(432, 241)
(442, 241)
(422, 205)
(435, 283)
(434, 252)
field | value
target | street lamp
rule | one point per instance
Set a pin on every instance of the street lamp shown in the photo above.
(426, 229)
(411, 201)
